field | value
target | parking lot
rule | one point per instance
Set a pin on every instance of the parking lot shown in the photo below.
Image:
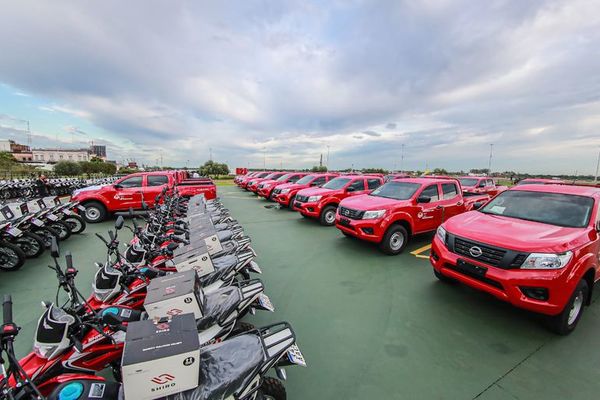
(371, 326)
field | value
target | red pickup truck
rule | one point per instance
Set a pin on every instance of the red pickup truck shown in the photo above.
(127, 192)
(254, 182)
(480, 185)
(322, 202)
(402, 208)
(285, 193)
(265, 188)
(247, 180)
(534, 246)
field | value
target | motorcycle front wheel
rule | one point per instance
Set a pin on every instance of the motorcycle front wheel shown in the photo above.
(11, 257)
(31, 244)
(47, 234)
(63, 229)
(76, 223)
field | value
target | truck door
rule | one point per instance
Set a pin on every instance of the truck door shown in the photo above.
(154, 185)
(451, 201)
(430, 213)
(128, 193)
(356, 187)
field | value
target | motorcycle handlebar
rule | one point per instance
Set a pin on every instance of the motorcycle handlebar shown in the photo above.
(7, 309)
(102, 238)
(69, 260)
(111, 234)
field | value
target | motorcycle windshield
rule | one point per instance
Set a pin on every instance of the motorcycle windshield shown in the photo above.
(106, 281)
(53, 326)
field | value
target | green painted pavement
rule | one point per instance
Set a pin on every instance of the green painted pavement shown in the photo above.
(371, 326)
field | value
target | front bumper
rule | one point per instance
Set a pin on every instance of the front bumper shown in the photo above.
(312, 209)
(371, 230)
(265, 192)
(507, 284)
(282, 198)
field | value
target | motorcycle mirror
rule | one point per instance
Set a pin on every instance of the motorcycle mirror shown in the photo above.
(111, 319)
(99, 265)
(119, 222)
(45, 304)
(54, 251)
(130, 212)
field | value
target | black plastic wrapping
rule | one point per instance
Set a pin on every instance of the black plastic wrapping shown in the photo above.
(218, 305)
(225, 368)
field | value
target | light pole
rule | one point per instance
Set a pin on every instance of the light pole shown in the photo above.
(264, 159)
(490, 162)
(402, 159)
(597, 167)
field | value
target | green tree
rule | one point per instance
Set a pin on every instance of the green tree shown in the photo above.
(319, 168)
(67, 168)
(374, 171)
(213, 168)
(440, 171)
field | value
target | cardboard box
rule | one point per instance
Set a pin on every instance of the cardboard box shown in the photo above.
(174, 294)
(198, 260)
(160, 359)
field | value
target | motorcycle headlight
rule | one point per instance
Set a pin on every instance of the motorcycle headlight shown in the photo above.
(285, 191)
(314, 198)
(44, 350)
(547, 261)
(441, 233)
(373, 214)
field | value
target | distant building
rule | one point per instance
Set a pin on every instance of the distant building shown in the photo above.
(13, 147)
(98, 151)
(23, 157)
(52, 156)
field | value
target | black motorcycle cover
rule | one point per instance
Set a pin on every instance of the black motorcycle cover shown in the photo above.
(218, 305)
(226, 368)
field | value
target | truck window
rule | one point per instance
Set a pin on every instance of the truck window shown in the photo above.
(157, 180)
(489, 183)
(133, 182)
(294, 178)
(449, 191)
(318, 181)
(373, 183)
(358, 185)
(431, 192)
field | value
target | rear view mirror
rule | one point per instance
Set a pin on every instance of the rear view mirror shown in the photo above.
(423, 199)
(119, 222)
(54, 252)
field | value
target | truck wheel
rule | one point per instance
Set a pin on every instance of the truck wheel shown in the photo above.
(272, 388)
(394, 241)
(443, 277)
(292, 200)
(327, 217)
(565, 322)
(94, 212)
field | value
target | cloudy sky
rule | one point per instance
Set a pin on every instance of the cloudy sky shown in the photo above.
(287, 80)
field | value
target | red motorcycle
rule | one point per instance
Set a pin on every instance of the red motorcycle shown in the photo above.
(74, 338)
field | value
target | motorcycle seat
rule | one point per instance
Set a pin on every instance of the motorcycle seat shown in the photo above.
(226, 368)
(218, 305)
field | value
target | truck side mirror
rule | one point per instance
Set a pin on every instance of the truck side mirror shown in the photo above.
(482, 184)
(477, 205)
(350, 189)
(598, 226)
(423, 199)
(117, 186)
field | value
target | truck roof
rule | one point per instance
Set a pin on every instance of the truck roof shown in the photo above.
(352, 176)
(581, 190)
(427, 179)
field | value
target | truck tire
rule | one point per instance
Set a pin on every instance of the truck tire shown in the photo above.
(442, 277)
(94, 212)
(291, 204)
(394, 241)
(565, 322)
(327, 217)
(272, 388)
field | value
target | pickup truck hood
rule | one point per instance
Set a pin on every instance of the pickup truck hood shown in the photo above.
(516, 234)
(317, 191)
(89, 188)
(365, 202)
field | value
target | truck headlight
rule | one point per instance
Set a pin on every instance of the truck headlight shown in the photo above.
(373, 214)
(314, 198)
(283, 191)
(547, 261)
(441, 233)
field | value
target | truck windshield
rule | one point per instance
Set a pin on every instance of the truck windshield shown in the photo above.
(283, 178)
(396, 190)
(336, 183)
(305, 180)
(468, 181)
(262, 175)
(559, 209)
